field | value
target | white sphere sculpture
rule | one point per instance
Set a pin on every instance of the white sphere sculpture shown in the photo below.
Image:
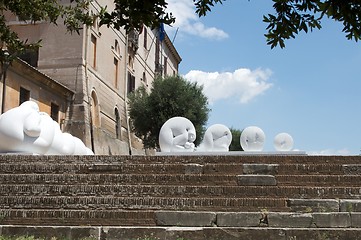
(217, 138)
(177, 135)
(283, 142)
(252, 139)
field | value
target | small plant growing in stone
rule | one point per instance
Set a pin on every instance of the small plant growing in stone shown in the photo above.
(308, 210)
(2, 217)
(263, 221)
(349, 207)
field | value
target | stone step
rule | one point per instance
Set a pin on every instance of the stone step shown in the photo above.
(120, 168)
(258, 219)
(183, 159)
(142, 203)
(177, 168)
(121, 179)
(178, 191)
(318, 180)
(183, 179)
(81, 217)
(180, 233)
(301, 169)
(163, 218)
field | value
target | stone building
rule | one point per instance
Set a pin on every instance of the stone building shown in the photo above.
(100, 66)
(24, 82)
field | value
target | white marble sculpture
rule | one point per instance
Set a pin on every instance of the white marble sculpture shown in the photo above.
(252, 139)
(177, 135)
(25, 129)
(283, 142)
(217, 138)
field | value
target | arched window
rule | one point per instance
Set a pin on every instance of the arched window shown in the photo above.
(144, 78)
(116, 47)
(95, 111)
(118, 126)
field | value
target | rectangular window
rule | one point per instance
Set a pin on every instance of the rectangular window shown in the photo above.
(116, 72)
(24, 95)
(145, 37)
(144, 79)
(118, 127)
(93, 56)
(131, 83)
(54, 112)
(165, 66)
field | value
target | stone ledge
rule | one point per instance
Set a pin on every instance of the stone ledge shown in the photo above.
(239, 219)
(313, 205)
(185, 218)
(256, 180)
(291, 220)
(60, 232)
(257, 168)
(174, 233)
(355, 220)
(351, 169)
(258, 219)
(332, 220)
(193, 168)
(350, 205)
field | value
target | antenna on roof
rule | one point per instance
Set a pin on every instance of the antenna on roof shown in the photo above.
(175, 35)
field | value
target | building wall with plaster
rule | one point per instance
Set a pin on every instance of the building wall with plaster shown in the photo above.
(101, 66)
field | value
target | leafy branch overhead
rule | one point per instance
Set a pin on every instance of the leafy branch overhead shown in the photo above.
(134, 14)
(294, 16)
(290, 18)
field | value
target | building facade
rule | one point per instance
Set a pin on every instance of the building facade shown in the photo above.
(21, 82)
(100, 66)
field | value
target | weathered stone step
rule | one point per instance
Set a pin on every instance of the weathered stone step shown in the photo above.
(79, 217)
(257, 219)
(182, 179)
(157, 179)
(201, 159)
(142, 203)
(177, 233)
(209, 219)
(181, 191)
(188, 168)
(120, 168)
(301, 169)
(319, 180)
(324, 205)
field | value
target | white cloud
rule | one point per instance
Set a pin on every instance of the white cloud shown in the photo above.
(328, 152)
(188, 22)
(243, 83)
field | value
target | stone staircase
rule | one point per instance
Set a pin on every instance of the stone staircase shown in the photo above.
(181, 197)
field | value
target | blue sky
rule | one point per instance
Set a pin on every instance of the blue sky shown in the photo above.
(310, 89)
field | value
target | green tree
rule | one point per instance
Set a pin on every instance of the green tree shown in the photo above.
(169, 97)
(235, 144)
